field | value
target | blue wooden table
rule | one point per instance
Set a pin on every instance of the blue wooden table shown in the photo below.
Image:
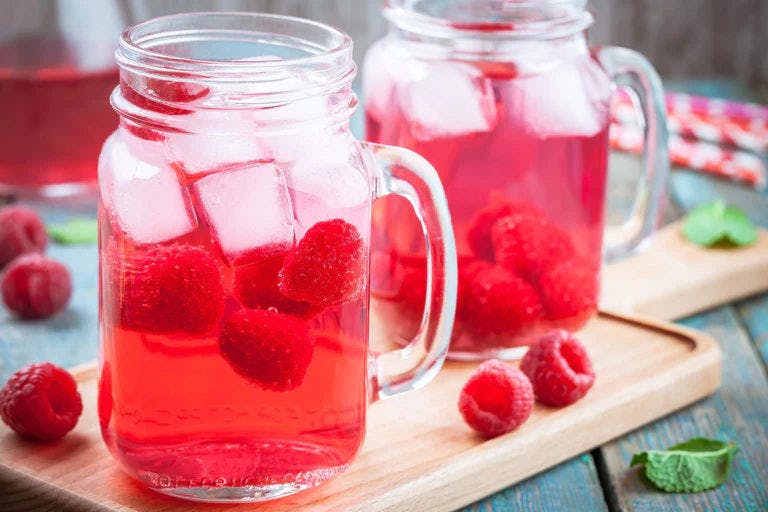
(600, 480)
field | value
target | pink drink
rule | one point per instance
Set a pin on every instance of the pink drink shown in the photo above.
(175, 411)
(235, 219)
(55, 115)
(506, 142)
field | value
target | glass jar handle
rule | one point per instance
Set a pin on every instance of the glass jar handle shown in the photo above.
(404, 173)
(630, 69)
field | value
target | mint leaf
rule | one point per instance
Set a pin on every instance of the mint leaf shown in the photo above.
(692, 466)
(75, 231)
(739, 229)
(716, 223)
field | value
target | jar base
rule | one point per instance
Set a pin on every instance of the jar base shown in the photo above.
(244, 494)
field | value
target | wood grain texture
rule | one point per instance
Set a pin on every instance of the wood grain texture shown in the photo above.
(754, 315)
(418, 455)
(672, 277)
(738, 412)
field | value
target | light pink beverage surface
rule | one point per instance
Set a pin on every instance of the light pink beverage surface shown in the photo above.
(506, 142)
(174, 409)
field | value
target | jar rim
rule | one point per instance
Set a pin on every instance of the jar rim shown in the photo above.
(489, 19)
(327, 47)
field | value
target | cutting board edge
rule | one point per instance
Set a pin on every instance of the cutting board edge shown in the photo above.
(698, 378)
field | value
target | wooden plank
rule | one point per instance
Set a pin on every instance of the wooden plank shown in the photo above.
(738, 412)
(418, 455)
(672, 277)
(572, 485)
(754, 315)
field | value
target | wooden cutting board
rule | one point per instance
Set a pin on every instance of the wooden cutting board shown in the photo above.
(418, 454)
(672, 278)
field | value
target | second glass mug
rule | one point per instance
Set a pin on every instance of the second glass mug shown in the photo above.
(512, 108)
(235, 212)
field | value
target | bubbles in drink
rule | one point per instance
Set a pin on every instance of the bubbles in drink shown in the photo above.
(145, 200)
(451, 99)
(247, 207)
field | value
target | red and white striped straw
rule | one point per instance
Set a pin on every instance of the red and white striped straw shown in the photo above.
(699, 155)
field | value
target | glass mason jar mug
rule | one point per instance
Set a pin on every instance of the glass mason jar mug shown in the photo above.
(511, 106)
(235, 212)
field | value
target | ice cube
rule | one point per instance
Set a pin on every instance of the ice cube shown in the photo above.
(150, 151)
(328, 182)
(379, 82)
(570, 99)
(145, 200)
(247, 207)
(450, 99)
(215, 140)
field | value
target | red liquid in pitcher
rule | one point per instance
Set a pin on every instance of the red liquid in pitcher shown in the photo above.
(213, 377)
(55, 116)
(522, 158)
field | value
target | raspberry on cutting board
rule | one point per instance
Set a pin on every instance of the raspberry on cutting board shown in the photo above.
(559, 369)
(41, 402)
(496, 399)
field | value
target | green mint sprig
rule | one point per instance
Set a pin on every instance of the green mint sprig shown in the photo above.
(716, 223)
(75, 231)
(692, 466)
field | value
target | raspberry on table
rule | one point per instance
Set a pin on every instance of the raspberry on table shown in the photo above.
(21, 231)
(479, 232)
(526, 243)
(496, 399)
(569, 292)
(175, 288)
(559, 369)
(35, 286)
(327, 267)
(255, 284)
(497, 302)
(268, 348)
(41, 402)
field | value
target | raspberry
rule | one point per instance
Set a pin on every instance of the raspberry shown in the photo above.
(34, 286)
(569, 291)
(268, 348)
(497, 302)
(328, 266)
(526, 243)
(479, 233)
(104, 401)
(256, 285)
(168, 289)
(161, 91)
(21, 231)
(143, 132)
(496, 399)
(41, 402)
(559, 369)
